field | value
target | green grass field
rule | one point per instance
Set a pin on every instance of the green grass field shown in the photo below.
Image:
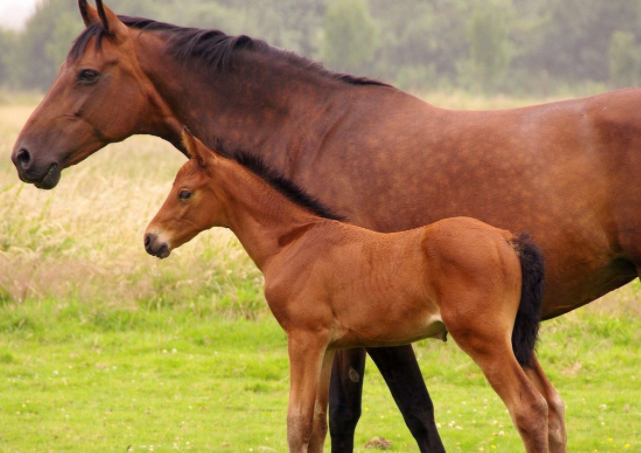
(104, 349)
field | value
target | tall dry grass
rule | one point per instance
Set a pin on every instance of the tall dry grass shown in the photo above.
(83, 240)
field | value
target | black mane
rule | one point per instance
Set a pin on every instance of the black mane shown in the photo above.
(212, 47)
(279, 182)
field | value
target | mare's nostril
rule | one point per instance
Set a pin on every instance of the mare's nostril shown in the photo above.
(24, 157)
(147, 241)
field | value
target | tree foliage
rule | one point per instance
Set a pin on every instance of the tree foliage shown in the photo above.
(625, 56)
(7, 48)
(490, 49)
(350, 35)
(519, 46)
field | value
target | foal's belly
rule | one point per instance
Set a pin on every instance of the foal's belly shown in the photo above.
(392, 323)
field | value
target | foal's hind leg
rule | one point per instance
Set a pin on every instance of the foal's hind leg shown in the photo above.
(556, 408)
(527, 407)
(487, 340)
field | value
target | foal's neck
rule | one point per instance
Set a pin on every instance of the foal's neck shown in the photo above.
(263, 219)
(264, 103)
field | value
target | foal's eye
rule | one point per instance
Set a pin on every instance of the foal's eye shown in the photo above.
(184, 195)
(88, 76)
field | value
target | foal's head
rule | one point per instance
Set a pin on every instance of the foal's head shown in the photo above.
(193, 205)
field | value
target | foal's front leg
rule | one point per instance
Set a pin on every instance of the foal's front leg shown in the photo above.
(307, 353)
(319, 431)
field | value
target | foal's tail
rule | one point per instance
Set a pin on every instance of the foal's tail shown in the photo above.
(528, 316)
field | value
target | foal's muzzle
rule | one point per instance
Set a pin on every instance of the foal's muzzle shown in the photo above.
(156, 247)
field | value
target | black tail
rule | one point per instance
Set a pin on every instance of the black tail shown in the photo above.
(528, 317)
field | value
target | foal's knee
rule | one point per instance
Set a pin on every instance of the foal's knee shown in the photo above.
(320, 423)
(299, 429)
(531, 417)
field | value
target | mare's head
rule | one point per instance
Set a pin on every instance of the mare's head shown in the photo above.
(100, 96)
(193, 204)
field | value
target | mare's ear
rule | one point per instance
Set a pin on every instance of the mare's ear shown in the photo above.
(89, 13)
(109, 20)
(196, 149)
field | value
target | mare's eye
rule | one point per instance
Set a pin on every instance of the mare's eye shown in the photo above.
(184, 195)
(88, 76)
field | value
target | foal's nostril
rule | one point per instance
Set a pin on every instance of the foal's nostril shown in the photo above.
(24, 157)
(150, 238)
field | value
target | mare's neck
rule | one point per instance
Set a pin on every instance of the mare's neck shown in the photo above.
(264, 103)
(263, 219)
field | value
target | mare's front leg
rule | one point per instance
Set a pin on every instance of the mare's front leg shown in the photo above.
(307, 352)
(402, 374)
(346, 390)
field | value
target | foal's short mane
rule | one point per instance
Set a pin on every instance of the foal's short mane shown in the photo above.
(212, 47)
(278, 181)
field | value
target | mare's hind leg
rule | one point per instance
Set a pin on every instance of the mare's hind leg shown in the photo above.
(403, 376)
(556, 409)
(486, 339)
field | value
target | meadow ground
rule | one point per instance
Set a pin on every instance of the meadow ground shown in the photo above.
(104, 349)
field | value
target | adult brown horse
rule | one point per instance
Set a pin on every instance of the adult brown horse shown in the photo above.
(333, 285)
(386, 160)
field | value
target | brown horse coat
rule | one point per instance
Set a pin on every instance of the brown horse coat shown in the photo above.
(566, 172)
(334, 285)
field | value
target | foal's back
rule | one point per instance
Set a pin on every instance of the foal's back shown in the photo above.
(376, 289)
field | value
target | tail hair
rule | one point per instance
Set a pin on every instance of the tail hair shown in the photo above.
(528, 316)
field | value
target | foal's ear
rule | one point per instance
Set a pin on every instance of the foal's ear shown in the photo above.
(196, 149)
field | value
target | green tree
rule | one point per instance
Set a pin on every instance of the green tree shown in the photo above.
(7, 50)
(490, 48)
(44, 44)
(624, 59)
(350, 36)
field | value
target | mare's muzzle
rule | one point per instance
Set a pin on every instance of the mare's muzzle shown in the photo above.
(43, 174)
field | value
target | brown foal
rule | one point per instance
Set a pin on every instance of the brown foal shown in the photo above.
(333, 285)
